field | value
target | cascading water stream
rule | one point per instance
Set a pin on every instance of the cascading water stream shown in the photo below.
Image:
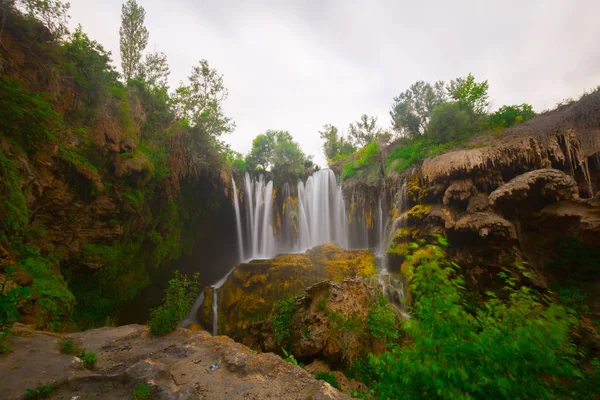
(391, 286)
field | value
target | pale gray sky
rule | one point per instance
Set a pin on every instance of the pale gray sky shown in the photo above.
(299, 64)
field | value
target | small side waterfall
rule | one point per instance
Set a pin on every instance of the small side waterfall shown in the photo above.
(215, 302)
(392, 287)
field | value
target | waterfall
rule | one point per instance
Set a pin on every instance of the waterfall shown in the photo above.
(322, 211)
(321, 216)
(215, 301)
(192, 315)
(238, 222)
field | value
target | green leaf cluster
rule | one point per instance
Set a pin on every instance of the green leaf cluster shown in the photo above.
(281, 319)
(382, 321)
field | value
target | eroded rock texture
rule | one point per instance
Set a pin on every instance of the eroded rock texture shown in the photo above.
(248, 294)
(178, 365)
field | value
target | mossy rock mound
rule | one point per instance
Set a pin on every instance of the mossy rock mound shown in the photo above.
(248, 295)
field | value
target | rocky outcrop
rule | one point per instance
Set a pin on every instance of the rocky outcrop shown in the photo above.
(329, 322)
(346, 385)
(486, 225)
(178, 366)
(538, 187)
(248, 294)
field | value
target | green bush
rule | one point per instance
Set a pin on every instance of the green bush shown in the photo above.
(368, 159)
(382, 321)
(26, 116)
(142, 391)
(281, 319)
(67, 346)
(179, 298)
(514, 346)
(55, 300)
(507, 116)
(10, 297)
(289, 357)
(88, 358)
(13, 209)
(328, 377)
(41, 392)
(448, 123)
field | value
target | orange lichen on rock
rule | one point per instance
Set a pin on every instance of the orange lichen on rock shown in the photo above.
(252, 288)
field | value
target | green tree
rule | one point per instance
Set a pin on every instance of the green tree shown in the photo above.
(412, 109)
(52, 13)
(91, 66)
(200, 102)
(262, 151)
(278, 152)
(331, 141)
(334, 143)
(133, 37)
(288, 159)
(364, 131)
(507, 116)
(470, 95)
(154, 71)
(448, 122)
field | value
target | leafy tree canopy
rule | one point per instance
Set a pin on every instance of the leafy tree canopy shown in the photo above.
(334, 144)
(470, 95)
(508, 116)
(364, 131)
(133, 37)
(412, 109)
(200, 102)
(278, 152)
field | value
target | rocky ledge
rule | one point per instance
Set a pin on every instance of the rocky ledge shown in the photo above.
(178, 366)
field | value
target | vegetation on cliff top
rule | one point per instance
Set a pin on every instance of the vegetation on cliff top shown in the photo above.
(427, 120)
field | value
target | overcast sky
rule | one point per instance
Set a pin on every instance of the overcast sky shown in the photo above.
(297, 65)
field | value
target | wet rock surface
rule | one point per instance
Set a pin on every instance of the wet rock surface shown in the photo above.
(178, 365)
(248, 294)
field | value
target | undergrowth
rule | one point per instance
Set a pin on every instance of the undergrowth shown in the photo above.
(281, 319)
(179, 298)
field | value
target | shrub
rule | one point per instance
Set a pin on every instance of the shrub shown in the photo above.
(516, 346)
(179, 298)
(55, 299)
(142, 391)
(281, 319)
(41, 392)
(67, 346)
(448, 123)
(289, 357)
(10, 297)
(507, 116)
(27, 116)
(88, 358)
(368, 159)
(328, 377)
(382, 321)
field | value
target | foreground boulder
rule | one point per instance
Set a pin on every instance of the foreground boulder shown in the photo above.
(177, 365)
(248, 294)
